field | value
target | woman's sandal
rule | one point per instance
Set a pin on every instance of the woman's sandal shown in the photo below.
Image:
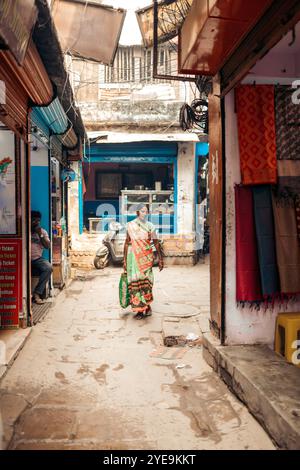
(139, 316)
(148, 312)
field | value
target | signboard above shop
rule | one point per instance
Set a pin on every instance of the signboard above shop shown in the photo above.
(214, 29)
(17, 19)
(88, 30)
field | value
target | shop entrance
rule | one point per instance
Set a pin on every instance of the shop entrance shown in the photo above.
(49, 197)
(115, 189)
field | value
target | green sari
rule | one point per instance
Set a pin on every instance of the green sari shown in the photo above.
(139, 264)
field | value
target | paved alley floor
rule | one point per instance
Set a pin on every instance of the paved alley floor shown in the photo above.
(90, 377)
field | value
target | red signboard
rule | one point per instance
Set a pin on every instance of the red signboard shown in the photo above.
(10, 282)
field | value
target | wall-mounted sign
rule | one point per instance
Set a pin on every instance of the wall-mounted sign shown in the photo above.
(8, 219)
(10, 282)
(17, 19)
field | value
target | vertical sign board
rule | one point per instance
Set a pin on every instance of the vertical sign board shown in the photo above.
(10, 282)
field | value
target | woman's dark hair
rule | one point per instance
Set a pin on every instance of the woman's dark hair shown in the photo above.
(36, 215)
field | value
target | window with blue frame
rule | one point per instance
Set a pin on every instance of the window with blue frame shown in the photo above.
(110, 184)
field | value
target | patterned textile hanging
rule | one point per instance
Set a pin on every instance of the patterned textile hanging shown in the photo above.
(288, 178)
(256, 131)
(248, 288)
(287, 124)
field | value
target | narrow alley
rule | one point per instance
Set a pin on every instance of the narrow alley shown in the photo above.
(92, 377)
(149, 140)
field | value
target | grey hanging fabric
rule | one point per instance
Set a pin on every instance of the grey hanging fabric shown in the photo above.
(265, 235)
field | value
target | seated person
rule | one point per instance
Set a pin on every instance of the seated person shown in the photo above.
(39, 241)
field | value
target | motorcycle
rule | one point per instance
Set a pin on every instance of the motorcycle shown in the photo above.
(112, 248)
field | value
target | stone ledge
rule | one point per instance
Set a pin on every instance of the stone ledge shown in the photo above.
(14, 341)
(265, 382)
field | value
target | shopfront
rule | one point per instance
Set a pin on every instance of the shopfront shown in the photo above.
(51, 136)
(254, 122)
(264, 183)
(11, 253)
(120, 177)
(115, 177)
(21, 85)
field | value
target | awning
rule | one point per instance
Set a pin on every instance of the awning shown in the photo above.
(69, 139)
(17, 19)
(53, 116)
(88, 30)
(32, 76)
(45, 34)
(171, 15)
(119, 137)
(75, 154)
(51, 120)
(212, 30)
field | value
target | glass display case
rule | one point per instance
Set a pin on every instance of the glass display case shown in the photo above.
(159, 203)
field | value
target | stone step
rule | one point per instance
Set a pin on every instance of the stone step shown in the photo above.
(265, 382)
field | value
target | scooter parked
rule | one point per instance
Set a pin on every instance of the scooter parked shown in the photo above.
(112, 248)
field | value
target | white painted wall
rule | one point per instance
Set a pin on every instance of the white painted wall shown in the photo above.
(73, 203)
(242, 325)
(39, 157)
(186, 188)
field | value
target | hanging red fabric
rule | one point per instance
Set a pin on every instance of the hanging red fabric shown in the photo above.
(257, 135)
(248, 287)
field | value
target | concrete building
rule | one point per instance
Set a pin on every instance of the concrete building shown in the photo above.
(171, 163)
(125, 96)
(135, 138)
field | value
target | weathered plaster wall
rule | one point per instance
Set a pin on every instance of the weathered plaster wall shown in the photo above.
(180, 247)
(243, 326)
(140, 113)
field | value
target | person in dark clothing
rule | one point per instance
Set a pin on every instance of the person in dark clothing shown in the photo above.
(39, 241)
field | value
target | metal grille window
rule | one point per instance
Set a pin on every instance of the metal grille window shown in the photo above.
(134, 64)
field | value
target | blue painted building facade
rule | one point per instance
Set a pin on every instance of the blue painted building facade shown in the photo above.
(173, 164)
(48, 127)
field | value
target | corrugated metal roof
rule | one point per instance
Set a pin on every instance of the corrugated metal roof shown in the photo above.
(53, 116)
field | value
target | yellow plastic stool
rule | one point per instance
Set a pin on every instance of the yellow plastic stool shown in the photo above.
(286, 336)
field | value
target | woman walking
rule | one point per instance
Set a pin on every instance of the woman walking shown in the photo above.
(138, 261)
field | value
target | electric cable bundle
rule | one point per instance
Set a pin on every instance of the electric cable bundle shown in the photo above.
(194, 116)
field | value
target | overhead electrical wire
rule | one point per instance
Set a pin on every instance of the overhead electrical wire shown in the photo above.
(194, 116)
